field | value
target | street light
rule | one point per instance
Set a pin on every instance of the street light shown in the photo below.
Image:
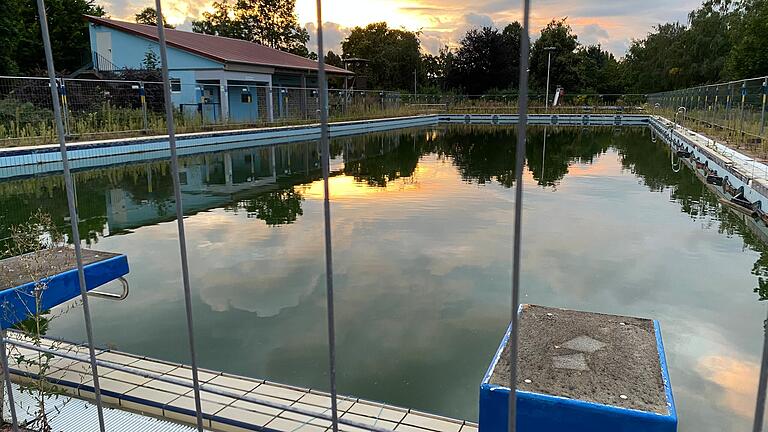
(549, 50)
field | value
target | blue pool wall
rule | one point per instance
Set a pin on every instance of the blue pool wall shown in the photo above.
(36, 160)
(18, 303)
(546, 413)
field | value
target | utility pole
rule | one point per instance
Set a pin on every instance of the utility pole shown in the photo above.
(549, 50)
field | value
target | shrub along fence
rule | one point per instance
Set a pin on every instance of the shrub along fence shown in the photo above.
(95, 109)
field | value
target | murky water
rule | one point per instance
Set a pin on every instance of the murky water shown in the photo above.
(422, 249)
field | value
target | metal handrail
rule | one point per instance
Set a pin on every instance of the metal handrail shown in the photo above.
(210, 388)
(113, 296)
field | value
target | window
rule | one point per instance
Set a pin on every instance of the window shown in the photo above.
(175, 85)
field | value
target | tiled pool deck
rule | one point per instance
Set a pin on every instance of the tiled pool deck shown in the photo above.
(169, 401)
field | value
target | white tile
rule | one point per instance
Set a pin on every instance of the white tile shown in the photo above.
(213, 397)
(186, 373)
(377, 411)
(127, 377)
(325, 401)
(234, 383)
(285, 425)
(435, 424)
(189, 404)
(142, 409)
(115, 386)
(167, 387)
(245, 416)
(153, 366)
(261, 408)
(117, 358)
(153, 395)
(279, 392)
(365, 420)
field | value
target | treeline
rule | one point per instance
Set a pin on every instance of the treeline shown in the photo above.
(721, 40)
(21, 45)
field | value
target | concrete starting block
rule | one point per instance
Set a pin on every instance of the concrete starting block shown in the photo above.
(579, 372)
(54, 272)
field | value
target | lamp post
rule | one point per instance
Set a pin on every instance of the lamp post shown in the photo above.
(549, 50)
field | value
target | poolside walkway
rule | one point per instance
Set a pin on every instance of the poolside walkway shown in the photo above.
(174, 402)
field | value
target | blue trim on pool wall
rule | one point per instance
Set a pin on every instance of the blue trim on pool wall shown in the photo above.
(547, 413)
(18, 301)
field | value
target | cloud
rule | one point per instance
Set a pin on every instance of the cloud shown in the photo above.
(443, 22)
(333, 35)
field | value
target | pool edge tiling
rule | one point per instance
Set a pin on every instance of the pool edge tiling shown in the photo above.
(220, 413)
(14, 158)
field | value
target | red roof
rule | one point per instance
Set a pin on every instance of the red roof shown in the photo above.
(222, 49)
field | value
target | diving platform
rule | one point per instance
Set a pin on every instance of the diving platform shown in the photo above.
(53, 274)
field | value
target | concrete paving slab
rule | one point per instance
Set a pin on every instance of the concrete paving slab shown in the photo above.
(607, 359)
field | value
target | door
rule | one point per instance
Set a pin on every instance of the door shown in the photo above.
(103, 51)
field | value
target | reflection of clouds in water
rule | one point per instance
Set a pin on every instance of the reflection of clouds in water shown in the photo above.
(253, 288)
(736, 378)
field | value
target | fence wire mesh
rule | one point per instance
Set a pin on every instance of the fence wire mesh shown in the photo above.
(734, 112)
(94, 109)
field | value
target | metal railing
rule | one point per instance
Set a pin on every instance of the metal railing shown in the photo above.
(111, 108)
(306, 102)
(67, 106)
(734, 112)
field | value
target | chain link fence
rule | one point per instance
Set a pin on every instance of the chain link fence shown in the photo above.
(97, 109)
(734, 112)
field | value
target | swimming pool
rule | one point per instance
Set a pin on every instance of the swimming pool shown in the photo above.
(422, 242)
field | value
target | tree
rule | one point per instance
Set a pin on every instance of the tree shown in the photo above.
(148, 16)
(151, 60)
(563, 71)
(10, 29)
(21, 41)
(598, 71)
(334, 59)
(273, 23)
(749, 56)
(652, 64)
(393, 55)
(487, 58)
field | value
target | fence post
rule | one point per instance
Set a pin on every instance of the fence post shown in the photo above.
(762, 111)
(270, 105)
(143, 95)
(741, 110)
(64, 105)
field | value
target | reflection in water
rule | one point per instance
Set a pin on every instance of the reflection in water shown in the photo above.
(422, 234)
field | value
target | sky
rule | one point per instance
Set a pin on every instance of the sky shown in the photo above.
(612, 23)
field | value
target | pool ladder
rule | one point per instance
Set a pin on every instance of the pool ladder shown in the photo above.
(113, 296)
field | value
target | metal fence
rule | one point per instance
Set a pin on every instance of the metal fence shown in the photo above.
(75, 103)
(733, 111)
(95, 109)
(70, 107)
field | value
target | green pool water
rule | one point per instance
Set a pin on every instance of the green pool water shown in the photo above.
(422, 224)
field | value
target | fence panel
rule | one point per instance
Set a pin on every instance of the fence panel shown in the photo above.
(734, 112)
(98, 109)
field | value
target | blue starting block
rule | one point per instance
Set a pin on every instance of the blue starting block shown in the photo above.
(54, 272)
(581, 372)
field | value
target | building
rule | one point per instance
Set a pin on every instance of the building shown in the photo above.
(219, 78)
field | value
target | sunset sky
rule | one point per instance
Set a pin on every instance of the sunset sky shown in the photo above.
(612, 23)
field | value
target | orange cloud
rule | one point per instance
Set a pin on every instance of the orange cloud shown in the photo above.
(737, 378)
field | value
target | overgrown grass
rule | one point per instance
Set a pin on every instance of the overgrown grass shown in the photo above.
(24, 124)
(737, 129)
